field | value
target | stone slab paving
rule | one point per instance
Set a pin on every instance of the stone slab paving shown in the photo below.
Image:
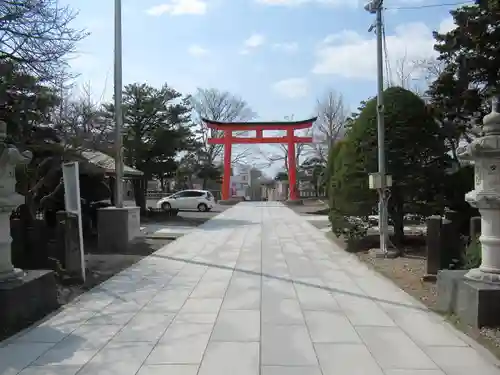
(257, 290)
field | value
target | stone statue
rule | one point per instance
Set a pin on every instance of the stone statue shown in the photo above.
(9, 198)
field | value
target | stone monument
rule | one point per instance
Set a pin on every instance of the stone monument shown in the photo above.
(10, 157)
(474, 295)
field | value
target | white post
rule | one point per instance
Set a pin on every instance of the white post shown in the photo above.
(72, 203)
(484, 152)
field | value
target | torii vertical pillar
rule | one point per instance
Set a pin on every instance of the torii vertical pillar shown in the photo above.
(292, 166)
(226, 178)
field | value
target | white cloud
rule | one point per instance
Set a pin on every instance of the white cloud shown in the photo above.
(290, 47)
(254, 41)
(292, 87)
(447, 25)
(197, 51)
(344, 36)
(292, 3)
(351, 55)
(179, 7)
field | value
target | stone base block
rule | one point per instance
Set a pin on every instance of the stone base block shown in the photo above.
(475, 303)
(117, 227)
(478, 304)
(27, 300)
(447, 289)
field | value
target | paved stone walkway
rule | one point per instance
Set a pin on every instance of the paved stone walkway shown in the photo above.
(256, 290)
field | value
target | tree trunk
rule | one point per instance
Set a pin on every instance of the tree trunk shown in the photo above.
(112, 188)
(139, 193)
(162, 184)
(397, 216)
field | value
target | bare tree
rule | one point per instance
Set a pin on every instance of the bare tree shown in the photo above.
(79, 121)
(330, 125)
(279, 154)
(404, 73)
(408, 75)
(431, 68)
(37, 35)
(223, 106)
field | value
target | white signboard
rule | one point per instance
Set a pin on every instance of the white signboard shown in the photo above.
(71, 178)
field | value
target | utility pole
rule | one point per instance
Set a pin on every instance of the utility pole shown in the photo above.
(375, 7)
(118, 106)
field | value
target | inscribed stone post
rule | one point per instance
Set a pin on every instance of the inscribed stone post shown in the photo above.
(434, 242)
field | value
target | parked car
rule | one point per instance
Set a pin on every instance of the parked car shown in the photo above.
(201, 200)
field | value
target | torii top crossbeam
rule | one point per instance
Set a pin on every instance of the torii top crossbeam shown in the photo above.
(259, 125)
(290, 138)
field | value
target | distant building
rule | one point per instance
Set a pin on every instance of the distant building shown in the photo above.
(245, 183)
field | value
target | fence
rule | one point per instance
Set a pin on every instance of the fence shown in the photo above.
(312, 194)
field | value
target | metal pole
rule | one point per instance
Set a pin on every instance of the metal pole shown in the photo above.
(118, 105)
(380, 129)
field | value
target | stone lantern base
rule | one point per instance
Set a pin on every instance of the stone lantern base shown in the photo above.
(475, 303)
(27, 300)
(478, 275)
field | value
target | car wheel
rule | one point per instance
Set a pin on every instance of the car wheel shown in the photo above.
(166, 206)
(202, 207)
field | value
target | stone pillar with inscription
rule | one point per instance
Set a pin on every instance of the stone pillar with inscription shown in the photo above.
(484, 153)
(9, 200)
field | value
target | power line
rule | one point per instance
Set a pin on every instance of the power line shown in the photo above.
(386, 54)
(431, 6)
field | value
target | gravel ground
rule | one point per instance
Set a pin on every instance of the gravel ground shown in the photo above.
(406, 272)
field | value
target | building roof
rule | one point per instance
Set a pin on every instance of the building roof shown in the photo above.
(104, 162)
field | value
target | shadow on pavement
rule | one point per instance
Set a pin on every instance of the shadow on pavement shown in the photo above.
(42, 338)
(216, 223)
(286, 279)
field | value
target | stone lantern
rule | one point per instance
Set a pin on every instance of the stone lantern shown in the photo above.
(484, 153)
(9, 200)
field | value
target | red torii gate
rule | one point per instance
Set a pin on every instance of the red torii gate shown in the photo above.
(229, 139)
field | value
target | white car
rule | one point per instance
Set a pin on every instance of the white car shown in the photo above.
(201, 200)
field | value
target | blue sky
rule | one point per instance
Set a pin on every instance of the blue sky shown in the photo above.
(285, 64)
(279, 55)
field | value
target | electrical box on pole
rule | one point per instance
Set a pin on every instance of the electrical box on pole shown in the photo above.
(375, 181)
